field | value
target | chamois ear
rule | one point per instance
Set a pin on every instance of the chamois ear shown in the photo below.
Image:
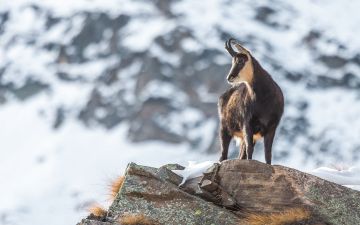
(238, 46)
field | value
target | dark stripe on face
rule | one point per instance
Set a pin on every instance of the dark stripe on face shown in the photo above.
(239, 63)
(235, 70)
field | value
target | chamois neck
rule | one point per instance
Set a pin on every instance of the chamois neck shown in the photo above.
(258, 70)
(262, 81)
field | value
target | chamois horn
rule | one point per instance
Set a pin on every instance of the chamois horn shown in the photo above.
(229, 48)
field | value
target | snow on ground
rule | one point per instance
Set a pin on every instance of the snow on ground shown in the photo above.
(349, 177)
(53, 176)
(193, 169)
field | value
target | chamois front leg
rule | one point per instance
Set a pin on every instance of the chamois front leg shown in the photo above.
(268, 141)
(225, 139)
(249, 142)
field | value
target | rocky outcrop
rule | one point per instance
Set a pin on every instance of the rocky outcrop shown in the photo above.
(233, 192)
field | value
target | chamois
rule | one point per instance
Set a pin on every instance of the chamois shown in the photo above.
(251, 108)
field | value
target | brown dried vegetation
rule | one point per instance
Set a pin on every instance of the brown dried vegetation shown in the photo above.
(136, 219)
(97, 210)
(290, 216)
(116, 186)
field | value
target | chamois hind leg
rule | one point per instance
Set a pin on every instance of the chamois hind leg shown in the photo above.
(225, 139)
(249, 142)
(242, 148)
(268, 141)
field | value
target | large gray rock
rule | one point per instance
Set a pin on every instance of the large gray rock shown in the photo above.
(229, 193)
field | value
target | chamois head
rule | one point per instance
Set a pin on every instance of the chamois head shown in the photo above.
(241, 68)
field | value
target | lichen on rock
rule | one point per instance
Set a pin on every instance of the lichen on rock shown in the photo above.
(233, 192)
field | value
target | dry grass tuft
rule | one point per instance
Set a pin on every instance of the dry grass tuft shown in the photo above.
(288, 216)
(116, 186)
(97, 210)
(136, 219)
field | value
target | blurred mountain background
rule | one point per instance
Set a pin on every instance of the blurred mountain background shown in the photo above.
(87, 86)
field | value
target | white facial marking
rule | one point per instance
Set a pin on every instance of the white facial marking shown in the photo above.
(246, 73)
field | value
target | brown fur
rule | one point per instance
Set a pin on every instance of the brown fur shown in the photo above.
(289, 216)
(97, 210)
(233, 108)
(240, 135)
(251, 108)
(116, 186)
(136, 219)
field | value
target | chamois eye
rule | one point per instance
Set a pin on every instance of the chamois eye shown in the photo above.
(240, 59)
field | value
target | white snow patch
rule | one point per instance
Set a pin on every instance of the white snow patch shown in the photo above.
(162, 89)
(348, 177)
(141, 32)
(193, 170)
(190, 45)
(162, 55)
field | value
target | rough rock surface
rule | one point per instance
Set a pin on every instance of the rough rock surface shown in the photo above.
(227, 193)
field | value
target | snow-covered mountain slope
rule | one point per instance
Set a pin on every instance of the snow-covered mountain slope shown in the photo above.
(105, 82)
